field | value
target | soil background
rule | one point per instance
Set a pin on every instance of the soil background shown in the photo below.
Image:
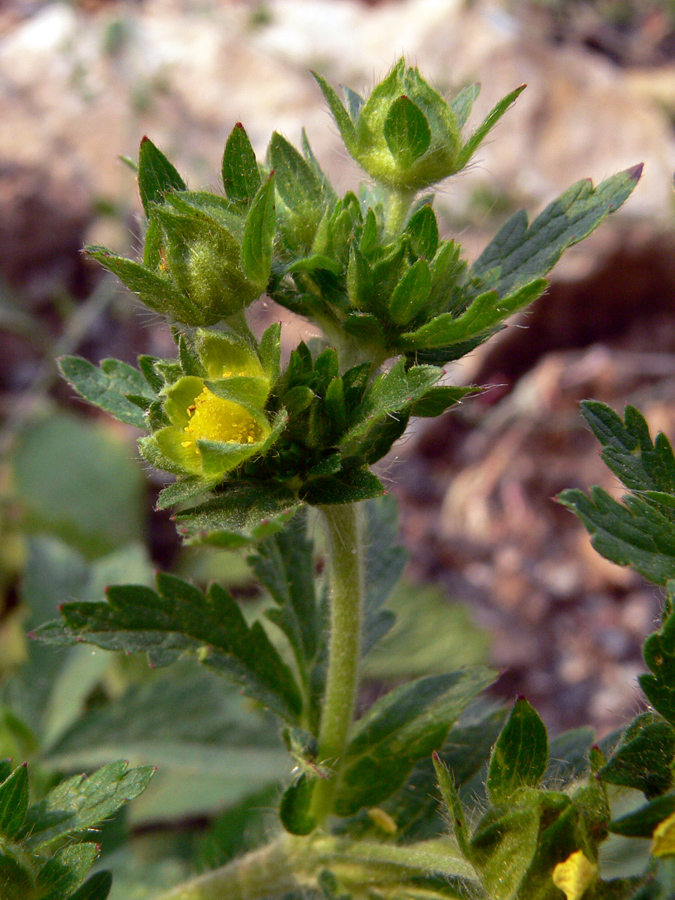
(82, 82)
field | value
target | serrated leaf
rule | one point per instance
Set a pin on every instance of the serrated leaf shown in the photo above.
(643, 758)
(241, 178)
(107, 387)
(406, 131)
(405, 725)
(13, 802)
(179, 619)
(156, 175)
(79, 803)
(240, 515)
(519, 254)
(635, 533)
(284, 565)
(65, 870)
(258, 241)
(350, 485)
(390, 393)
(383, 566)
(520, 756)
(485, 313)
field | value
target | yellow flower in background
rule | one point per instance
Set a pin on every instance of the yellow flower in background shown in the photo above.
(575, 875)
(663, 839)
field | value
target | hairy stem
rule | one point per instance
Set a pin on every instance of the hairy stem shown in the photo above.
(261, 873)
(397, 205)
(346, 582)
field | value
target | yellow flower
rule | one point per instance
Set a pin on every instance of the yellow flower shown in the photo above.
(575, 875)
(663, 839)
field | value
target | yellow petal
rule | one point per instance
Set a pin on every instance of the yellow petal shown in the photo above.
(663, 843)
(574, 875)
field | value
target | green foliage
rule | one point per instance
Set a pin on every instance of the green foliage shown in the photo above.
(255, 442)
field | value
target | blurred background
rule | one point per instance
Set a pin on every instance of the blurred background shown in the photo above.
(511, 575)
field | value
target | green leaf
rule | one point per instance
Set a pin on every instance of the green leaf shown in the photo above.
(423, 231)
(179, 619)
(300, 191)
(108, 387)
(520, 756)
(405, 725)
(156, 175)
(185, 489)
(438, 399)
(390, 393)
(518, 254)
(643, 757)
(294, 810)
(636, 533)
(384, 562)
(95, 888)
(217, 739)
(406, 131)
(240, 515)
(241, 178)
(503, 848)
(258, 241)
(411, 294)
(13, 802)
(350, 485)
(96, 471)
(487, 125)
(642, 822)
(79, 803)
(485, 313)
(446, 782)
(65, 870)
(284, 565)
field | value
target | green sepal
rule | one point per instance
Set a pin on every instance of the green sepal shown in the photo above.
(155, 290)
(486, 126)
(13, 802)
(156, 175)
(295, 807)
(446, 783)
(342, 118)
(643, 757)
(178, 619)
(405, 725)
(269, 352)
(258, 242)
(109, 386)
(422, 228)
(300, 191)
(180, 491)
(406, 131)
(520, 756)
(410, 296)
(241, 514)
(641, 822)
(241, 178)
(462, 104)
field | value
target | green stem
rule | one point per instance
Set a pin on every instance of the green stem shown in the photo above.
(346, 581)
(397, 204)
(261, 873)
